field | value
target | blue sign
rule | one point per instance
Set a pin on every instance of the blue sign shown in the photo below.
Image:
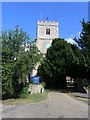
(35, 79)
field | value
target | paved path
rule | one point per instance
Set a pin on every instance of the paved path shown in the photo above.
(59, 105)
(82, 95)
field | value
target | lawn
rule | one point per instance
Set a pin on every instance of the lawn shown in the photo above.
(30, 99)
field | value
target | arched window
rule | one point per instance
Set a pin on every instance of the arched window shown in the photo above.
(48, 31)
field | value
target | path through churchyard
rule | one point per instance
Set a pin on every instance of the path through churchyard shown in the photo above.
(59, 105)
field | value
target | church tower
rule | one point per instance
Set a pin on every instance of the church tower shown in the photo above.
(46, 32)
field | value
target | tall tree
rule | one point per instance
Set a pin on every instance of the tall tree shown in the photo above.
(84, 40)
(62, 59)
(84, 43)
(19, 56)
(53, 68)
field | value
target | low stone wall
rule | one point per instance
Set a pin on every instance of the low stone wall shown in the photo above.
(35, 88)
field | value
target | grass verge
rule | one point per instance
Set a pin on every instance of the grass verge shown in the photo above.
(30, 99)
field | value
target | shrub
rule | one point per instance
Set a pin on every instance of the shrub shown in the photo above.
(24, 93)
(43, 84)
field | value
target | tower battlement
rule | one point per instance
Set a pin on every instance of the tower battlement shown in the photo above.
(54, 23)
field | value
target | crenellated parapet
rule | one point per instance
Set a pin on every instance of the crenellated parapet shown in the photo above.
(50, 23)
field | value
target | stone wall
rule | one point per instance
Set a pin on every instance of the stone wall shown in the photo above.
(35, 88)
(41, 44)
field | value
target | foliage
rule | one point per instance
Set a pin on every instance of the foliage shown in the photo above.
(88, 87)
(19, 56)
(76, 68)
(53, 66)
(84, 43)
(62, 59)
(24, 93)
(84, 40)
(43, 84)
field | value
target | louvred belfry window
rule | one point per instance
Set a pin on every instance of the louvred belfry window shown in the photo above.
(48, 31)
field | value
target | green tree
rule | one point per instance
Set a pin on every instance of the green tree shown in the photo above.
(53, 68)
(77, 67)
(11, 43)
(84, 43)
(84, 40)
(62, 59)
(24, 65)
(19, 56)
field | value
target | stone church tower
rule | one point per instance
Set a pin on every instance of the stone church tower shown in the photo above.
(46, 32)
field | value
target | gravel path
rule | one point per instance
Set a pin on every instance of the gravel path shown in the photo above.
(59, 105)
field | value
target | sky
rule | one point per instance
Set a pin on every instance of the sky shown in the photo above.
(26, 15)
